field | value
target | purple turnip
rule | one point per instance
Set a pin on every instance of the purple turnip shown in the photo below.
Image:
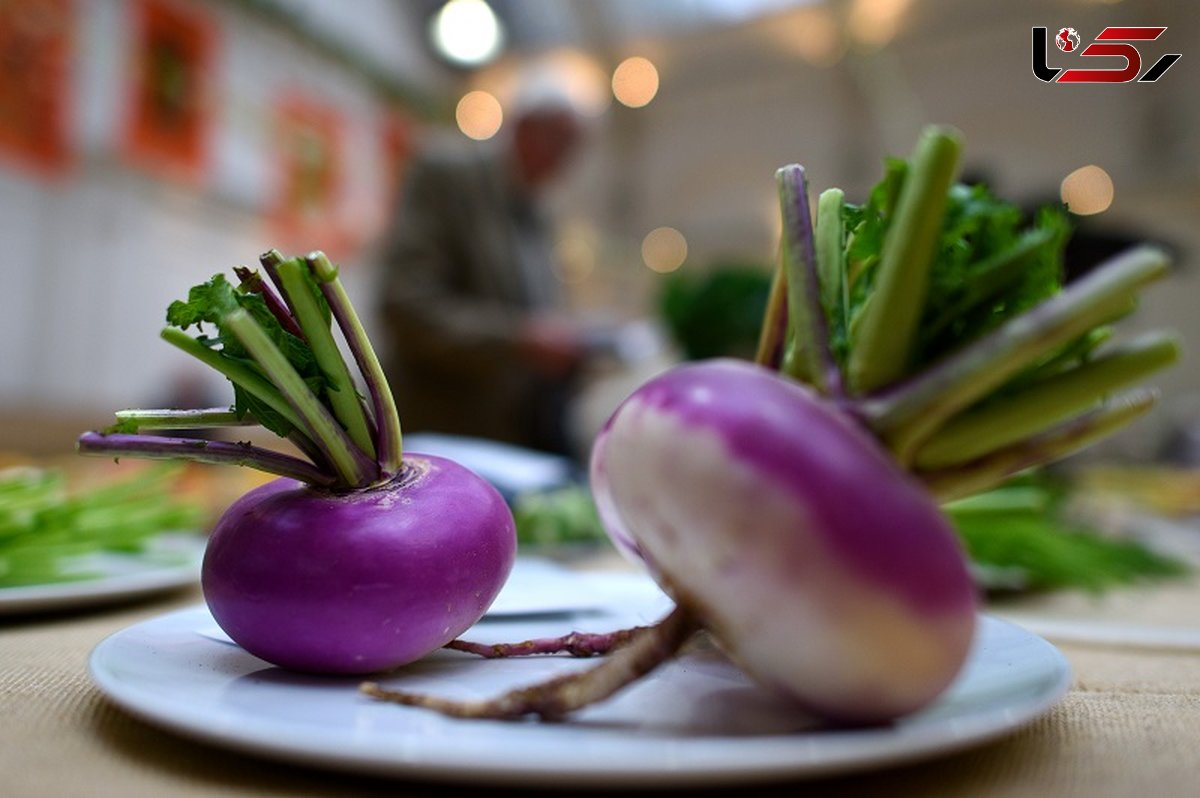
(359, 557)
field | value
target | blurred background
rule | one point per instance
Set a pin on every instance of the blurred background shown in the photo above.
(147, 144)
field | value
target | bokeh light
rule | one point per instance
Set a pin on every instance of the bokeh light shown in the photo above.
(664, 249)
(575, 253)
(479, 115)
(812, 33)
(1087, 190)
(635, 81)
(467, 32)
(874, 23)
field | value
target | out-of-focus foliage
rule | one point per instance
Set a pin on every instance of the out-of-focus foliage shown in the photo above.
(717, 313)
(47, 530)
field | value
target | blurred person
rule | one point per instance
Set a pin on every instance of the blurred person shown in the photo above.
(479, 343)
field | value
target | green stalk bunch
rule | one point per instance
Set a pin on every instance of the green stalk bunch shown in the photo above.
(936, 315)
(273, 339)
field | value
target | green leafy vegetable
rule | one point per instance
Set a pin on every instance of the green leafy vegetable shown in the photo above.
(1020, 536)
(563, 516)
(48, 531)
(718, 313)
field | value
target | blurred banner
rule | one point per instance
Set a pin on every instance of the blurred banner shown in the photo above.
(310, 152)
(35, 48)
(170, 110)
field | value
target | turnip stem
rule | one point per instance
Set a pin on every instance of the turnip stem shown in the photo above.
(577, 644)
(206, 418)
(909, 413)
(1039, 406)
(270, 261)
(553, 699)
(253, 282)
(1055, 444)
(1014, 498)
(883, 351)
(772, 336)
(343, 395)
(353, 468)
(811, 356)
(155, 447)
(209, 418)
(831, 256)
(388, 438)
(241, 375)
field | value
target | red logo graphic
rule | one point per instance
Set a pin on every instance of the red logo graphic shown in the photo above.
(1067, 39)
(1111, 43)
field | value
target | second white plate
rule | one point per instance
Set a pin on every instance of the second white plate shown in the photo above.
(169, 562)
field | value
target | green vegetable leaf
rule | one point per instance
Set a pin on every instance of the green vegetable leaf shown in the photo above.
(988, 269)
(206, 302)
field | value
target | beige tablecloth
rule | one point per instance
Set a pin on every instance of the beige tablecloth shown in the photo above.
(1129, 727)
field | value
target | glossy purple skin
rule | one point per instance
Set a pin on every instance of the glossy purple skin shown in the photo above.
(361, 582)
(835, 469)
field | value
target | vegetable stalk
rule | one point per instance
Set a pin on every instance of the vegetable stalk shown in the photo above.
(809, 325)
(340, 390)
(388, 439)
(911, 412)
(1034, 409)
(155, 447)
(1055, 444)
(883, 350)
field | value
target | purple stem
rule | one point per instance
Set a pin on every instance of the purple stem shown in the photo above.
(270, 261)
(157, 447)
(577, 644)
(804, 285)
(253, 281)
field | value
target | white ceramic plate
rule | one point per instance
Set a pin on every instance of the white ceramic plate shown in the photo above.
(169, 562)
(697, 721)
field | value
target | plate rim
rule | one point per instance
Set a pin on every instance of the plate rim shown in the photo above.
(296, 748)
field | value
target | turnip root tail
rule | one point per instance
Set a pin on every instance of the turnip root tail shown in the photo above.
(646, 649)
(577, 644)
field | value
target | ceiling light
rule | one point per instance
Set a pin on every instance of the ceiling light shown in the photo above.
(467, 32)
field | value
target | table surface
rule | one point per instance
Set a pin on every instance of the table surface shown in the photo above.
(1129, 726)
